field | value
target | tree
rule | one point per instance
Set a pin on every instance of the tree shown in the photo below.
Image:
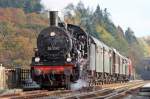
(129, 34)
(105, 36)
(6, 29)
(18, 33)
(27, 5)
(98, 15)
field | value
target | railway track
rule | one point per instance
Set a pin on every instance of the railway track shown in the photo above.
(110, 91)
(34, 94)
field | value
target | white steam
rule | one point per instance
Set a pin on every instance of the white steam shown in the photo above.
(79, 84)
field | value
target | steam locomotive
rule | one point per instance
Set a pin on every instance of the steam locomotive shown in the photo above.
(65, 53)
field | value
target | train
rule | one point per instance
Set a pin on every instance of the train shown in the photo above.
(66, 53)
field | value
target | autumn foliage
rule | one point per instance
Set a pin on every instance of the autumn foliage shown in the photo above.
(18, 33)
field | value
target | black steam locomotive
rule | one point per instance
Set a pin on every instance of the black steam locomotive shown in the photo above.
(66, 53)
(60, 49)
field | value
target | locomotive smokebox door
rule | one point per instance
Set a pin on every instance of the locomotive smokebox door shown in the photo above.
(53, 18)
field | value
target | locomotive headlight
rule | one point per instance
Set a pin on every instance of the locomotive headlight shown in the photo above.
(52, 34)
(37, 59)
(69, 59)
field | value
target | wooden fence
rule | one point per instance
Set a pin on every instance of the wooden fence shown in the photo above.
(13, 78)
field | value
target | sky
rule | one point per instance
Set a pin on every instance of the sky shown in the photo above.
(125, 13)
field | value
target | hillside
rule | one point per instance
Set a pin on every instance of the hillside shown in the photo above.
(18, 33)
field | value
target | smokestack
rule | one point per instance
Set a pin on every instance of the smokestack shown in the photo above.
(53, 18)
